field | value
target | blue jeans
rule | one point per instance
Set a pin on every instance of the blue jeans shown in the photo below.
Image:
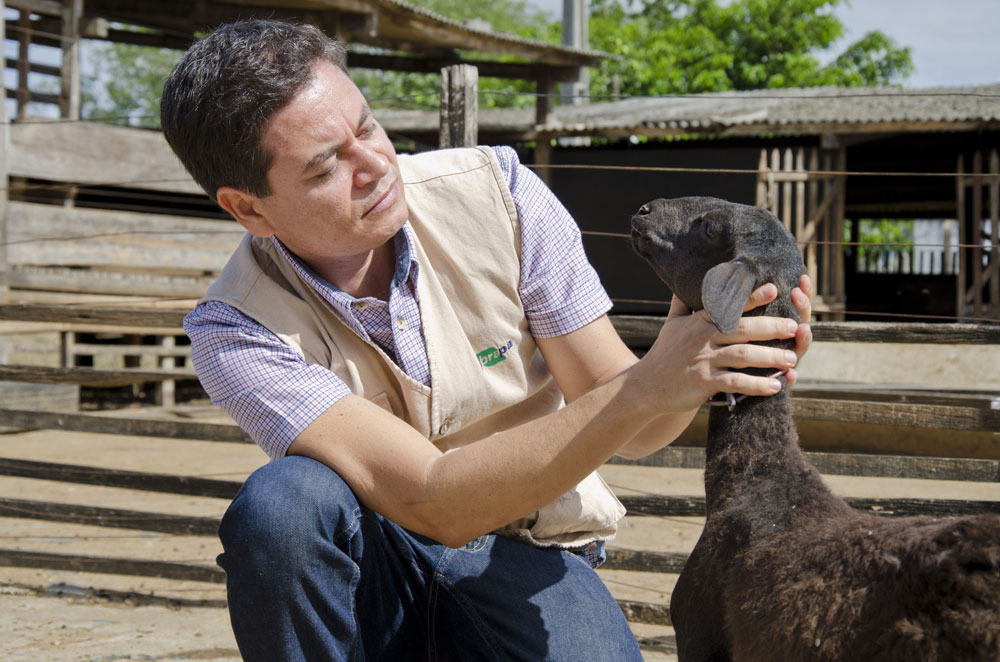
(312, 576)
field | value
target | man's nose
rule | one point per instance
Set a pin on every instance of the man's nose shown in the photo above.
(370, 165)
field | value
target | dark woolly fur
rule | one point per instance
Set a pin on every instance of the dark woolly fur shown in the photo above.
(784, 569)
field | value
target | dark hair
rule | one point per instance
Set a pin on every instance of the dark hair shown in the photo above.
(220, 97)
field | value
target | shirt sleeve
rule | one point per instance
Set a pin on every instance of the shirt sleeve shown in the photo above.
(264, 384)
(560, 290)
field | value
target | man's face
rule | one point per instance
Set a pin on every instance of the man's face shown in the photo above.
(336, 191)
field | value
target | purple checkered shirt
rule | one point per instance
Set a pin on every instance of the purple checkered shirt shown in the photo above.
(273, 394)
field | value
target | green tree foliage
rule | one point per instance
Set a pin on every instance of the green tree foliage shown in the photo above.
(666, 47)
(518, 17)
(694, 46)
(122, 83)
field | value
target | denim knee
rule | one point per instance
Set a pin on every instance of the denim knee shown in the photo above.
(286, 504)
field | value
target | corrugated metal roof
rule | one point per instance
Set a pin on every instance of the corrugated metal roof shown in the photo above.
(791, 109)
(785, 111)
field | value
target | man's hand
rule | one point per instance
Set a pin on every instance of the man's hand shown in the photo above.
(694, 360)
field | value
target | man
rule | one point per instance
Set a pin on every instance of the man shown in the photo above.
(400, 336)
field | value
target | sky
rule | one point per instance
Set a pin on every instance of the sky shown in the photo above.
(952, 42)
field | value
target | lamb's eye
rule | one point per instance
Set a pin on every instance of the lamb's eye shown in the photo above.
(707, 229)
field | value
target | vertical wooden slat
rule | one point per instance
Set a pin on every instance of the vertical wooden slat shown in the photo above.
(459, 106)
(762, 171)
(837, 229)
(976, 254)
(786, 189)
(165, 397)
(4, 148)
(69, 95)
(994, 265)
(960, 217)
(775, 172)
(800, 192)
(814, 183)
(23, 94)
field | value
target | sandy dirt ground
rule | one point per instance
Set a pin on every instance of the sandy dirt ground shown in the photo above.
(84, 617)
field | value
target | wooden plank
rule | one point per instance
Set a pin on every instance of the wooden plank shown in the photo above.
(50, 235)
(5, 126)
(88, 376)
(639, 561)
(131, 480)
(69, 94)
(182, 351)
(91, 282)
(938, 417)
(646, 328)
(112, 316)
(95, 153)
(48, 7)
(690, 506)
(43, 420)
(847, 464)
(459, 106)
(113, 566)
(115, 518)
(645, 612)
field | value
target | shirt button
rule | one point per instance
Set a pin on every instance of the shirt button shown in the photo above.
(400, 323)
(445, 426)
(361, 305)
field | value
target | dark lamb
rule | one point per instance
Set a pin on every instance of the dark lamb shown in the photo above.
(784, 569)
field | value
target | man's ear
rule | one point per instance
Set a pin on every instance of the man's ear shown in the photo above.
(725, 291)
(245, 208)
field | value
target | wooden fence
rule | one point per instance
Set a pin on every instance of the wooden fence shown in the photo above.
(893, 408)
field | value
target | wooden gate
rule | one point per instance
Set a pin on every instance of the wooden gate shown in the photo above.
(803, 188)
(977, 198)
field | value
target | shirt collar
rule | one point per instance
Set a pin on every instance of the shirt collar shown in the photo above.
(343, 303)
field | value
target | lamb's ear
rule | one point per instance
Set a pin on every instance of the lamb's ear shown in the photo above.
(725, 290)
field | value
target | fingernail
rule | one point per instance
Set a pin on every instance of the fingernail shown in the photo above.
(791, 357)
(792, 327)
(775, 385)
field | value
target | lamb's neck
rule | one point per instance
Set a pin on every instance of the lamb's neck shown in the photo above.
(753, 455)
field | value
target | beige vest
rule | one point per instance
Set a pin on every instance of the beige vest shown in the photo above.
(487, 374)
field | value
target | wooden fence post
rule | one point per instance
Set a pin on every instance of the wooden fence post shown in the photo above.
(4, 141)
(69, 95)
(459, 106)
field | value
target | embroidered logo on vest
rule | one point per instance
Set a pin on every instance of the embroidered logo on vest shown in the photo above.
(494, 355)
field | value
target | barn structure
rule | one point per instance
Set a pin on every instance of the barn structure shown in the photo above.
(816, 157)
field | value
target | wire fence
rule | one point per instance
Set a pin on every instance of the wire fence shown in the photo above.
(112, 190)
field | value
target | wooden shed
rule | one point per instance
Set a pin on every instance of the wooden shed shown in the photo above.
(814, 156)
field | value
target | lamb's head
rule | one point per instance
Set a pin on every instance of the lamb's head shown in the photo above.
(713, 253)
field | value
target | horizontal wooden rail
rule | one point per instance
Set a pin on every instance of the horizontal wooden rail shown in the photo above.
(645, 612)
(938, 417)
(655, 505)
(91, 377)
(637, 561)
(847, 464)
(647, 327)
(130, 480)
(43, 420)
(637, 612)
(111, 316)
(630, 327)
(111, 565)
(691, 506)
(115, 518)
(677, 457)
